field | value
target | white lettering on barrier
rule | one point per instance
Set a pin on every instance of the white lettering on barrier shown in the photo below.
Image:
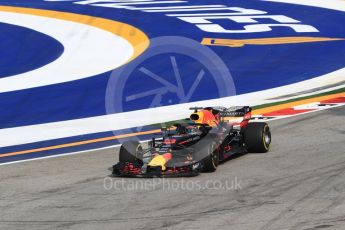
(202, 20)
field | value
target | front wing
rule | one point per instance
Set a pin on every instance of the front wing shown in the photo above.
(138, 170)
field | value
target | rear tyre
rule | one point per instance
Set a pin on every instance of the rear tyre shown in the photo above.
(257, 137)
(130, 152)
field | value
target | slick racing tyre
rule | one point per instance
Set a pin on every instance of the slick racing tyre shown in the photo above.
(211, 162)
(130, 152)
(257, 137)
(208, 150)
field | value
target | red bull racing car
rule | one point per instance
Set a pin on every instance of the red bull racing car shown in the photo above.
(195, 145)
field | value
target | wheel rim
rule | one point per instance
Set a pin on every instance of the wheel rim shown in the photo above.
(138, 151)
(214, 156)
(267, 137)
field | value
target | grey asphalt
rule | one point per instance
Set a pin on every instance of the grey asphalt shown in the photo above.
(299, 184)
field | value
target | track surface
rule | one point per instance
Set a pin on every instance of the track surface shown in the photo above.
(298, 185)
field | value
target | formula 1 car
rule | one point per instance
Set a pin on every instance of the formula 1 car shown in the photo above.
(197, 144)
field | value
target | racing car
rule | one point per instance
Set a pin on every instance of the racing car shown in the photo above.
(197, 144)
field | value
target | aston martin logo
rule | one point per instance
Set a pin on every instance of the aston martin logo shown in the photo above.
(264, 41)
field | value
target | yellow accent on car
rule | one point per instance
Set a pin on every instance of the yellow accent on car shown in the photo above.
(158, 161)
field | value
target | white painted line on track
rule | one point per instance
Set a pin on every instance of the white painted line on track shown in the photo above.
(60, 155)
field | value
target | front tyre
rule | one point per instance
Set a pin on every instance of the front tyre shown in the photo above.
(211, 161)
(257, 137)
(130, 152)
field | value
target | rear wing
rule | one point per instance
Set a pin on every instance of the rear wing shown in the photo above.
(234, 111)
(226, 114)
